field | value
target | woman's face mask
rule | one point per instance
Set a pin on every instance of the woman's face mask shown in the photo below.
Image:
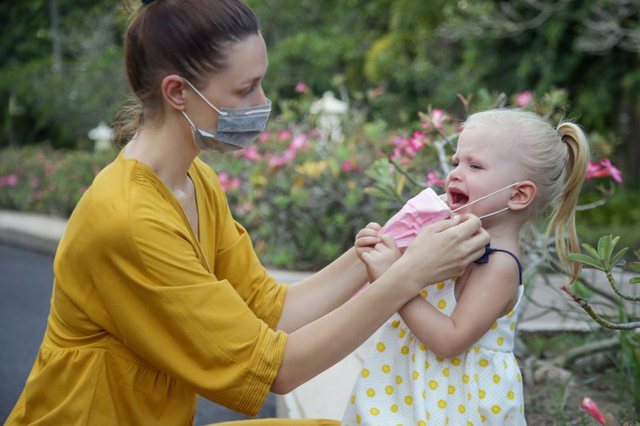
(237, 127)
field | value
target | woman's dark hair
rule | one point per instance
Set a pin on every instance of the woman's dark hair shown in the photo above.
(186, 37)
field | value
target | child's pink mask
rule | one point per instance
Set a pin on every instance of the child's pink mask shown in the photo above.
(422, 210)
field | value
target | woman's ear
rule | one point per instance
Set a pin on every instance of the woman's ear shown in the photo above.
(173, 88)
(523, 194)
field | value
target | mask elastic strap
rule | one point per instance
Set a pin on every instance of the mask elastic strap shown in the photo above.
(491, 214)
(204, 98)
(487, 196)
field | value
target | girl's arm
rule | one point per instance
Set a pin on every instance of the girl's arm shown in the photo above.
(440, 250)
(490, 291)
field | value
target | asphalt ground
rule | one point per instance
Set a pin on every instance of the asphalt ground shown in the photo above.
(26, 279)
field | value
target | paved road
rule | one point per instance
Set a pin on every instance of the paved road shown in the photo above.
(25, 291)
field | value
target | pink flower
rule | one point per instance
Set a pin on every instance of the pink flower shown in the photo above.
(227, 182)
(524, 98)
(244, 208)
(251, 153)
(9, 180)
(347, 166)
(590, 407)
(301, 87)
(298, 142)
(603, 169)
(438, 117)
(278, 161)
(264, 136)
(285, 134)
(378, 91)
(434, 180)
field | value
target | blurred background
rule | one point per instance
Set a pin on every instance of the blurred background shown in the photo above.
(368, 96)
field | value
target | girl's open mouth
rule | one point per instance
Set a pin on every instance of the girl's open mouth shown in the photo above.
(457, 198)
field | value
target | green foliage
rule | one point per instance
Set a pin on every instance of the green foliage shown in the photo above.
(300, 194)
(603, 258)
(57, 99)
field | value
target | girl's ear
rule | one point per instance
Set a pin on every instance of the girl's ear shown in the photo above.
(523, 194)
(173, 88)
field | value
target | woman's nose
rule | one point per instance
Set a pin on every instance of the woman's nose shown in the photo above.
(261, 97)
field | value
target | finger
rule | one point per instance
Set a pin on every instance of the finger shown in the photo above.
(373, 225)
(368, 232)
(366, 258)
(442, 225)
(468, 226)
(388, 241)
(367, 241)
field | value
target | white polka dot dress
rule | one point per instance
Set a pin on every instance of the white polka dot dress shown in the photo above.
(403, 383)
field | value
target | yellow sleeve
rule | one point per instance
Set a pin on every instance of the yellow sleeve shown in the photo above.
(236, 261)
(171, 311)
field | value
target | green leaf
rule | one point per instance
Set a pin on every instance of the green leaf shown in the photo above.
(602, 242)
(582, 258)
(614, 242)
(618, 256)
(634, 280)
(592, 251)
(637, 253)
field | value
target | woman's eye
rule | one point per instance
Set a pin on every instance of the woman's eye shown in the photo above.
(476, 166)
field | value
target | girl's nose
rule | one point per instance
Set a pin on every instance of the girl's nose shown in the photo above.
(455, 175)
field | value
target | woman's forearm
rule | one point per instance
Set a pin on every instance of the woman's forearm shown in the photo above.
(317, 346)
(322, 292)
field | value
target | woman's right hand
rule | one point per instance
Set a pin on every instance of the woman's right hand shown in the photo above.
(444, 250)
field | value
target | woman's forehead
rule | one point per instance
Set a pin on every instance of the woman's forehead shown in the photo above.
(246, 60)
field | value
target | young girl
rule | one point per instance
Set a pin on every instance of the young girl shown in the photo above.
(447, 356)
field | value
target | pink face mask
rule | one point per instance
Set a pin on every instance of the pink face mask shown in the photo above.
(424, 209)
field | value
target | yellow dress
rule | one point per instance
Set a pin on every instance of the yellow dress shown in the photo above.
(144, 315)
(403, 382)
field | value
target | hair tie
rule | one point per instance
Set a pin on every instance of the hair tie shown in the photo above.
(147, 2)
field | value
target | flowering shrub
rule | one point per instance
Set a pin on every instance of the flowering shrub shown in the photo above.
(300, 194)
(301, 191)
(47, 181)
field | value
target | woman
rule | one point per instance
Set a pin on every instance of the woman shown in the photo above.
(158, 294)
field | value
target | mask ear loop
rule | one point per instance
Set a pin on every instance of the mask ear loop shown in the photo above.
(487, 196)
(204, 98)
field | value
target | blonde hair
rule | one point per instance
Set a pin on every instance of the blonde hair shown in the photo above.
(554, 159)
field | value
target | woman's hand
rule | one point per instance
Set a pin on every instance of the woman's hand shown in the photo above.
(444, 250)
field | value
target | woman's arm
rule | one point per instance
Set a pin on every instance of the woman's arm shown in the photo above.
(322, 292)
(441, 250)
(489, 292)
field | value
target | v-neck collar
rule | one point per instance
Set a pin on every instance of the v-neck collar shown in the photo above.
(173, 200)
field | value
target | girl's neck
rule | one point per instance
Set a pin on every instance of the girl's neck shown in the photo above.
(505, 234)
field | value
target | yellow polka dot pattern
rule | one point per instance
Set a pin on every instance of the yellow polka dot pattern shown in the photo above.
(404, 383)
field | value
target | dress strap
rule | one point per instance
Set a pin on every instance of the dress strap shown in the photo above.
(489, 250)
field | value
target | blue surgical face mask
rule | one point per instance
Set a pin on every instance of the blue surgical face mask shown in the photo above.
(237, 127)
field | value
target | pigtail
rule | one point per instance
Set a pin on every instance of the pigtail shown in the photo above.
(563, 223)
